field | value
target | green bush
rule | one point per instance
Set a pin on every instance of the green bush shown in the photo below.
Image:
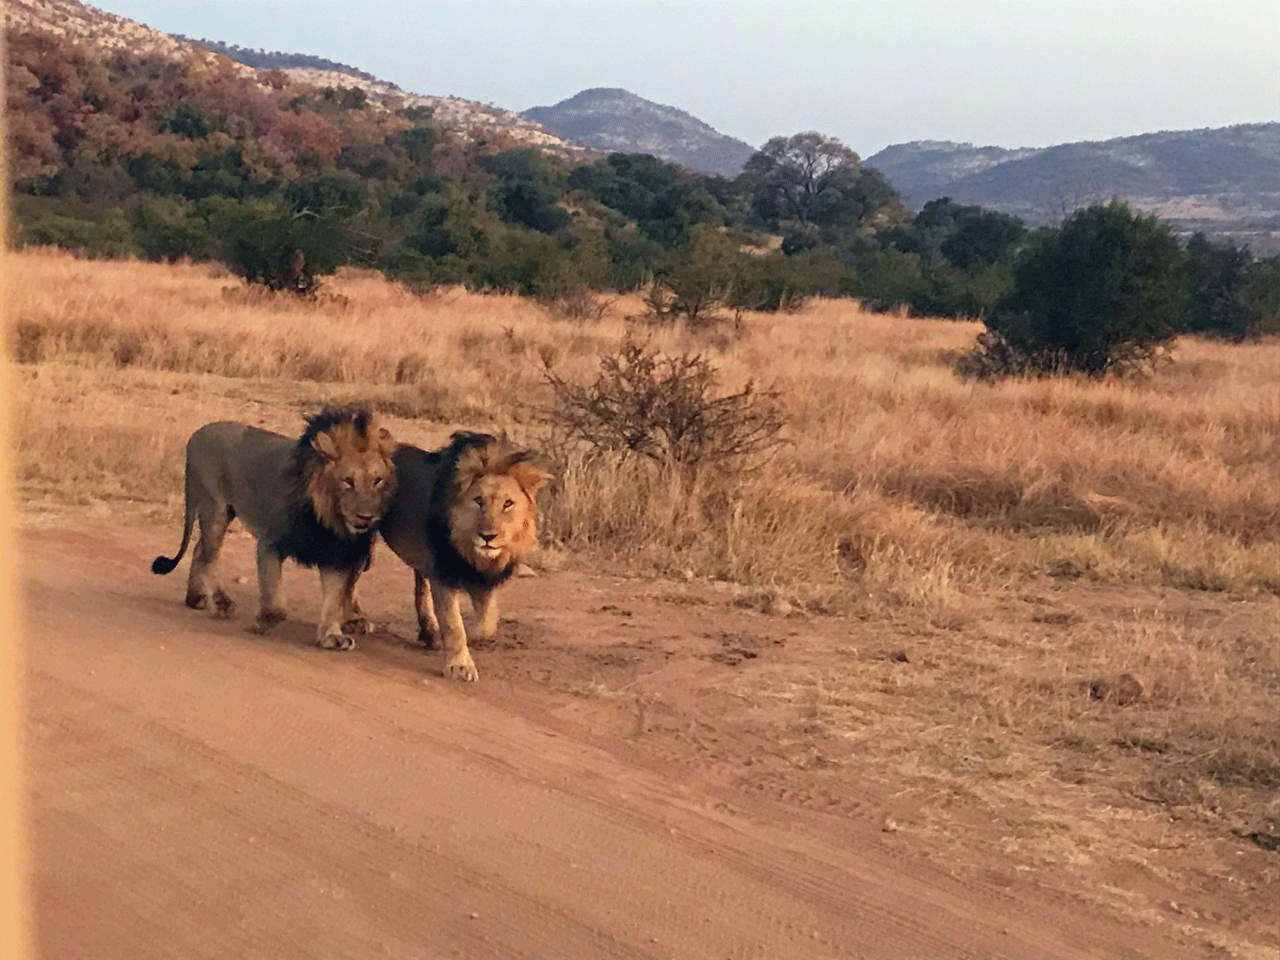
(277, 247)
(1106, 292)
(94, 233)
(1232, 294)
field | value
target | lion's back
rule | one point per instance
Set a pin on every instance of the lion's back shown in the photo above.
(244, 467)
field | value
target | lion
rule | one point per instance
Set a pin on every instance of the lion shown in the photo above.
(318, 499)
(462, 518)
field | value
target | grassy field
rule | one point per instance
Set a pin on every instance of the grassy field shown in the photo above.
(903, 484)
(1046, 534)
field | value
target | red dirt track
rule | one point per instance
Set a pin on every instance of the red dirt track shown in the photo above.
(202, 792)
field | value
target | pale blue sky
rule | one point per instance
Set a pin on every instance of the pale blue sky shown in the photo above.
(871, 72)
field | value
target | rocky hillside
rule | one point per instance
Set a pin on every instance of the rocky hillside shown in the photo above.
(1224, 181)
(618, 120)
(106, 31)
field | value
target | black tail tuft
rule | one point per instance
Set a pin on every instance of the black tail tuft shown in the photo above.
(163, 564)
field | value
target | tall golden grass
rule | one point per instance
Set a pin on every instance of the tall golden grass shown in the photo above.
(902, 484)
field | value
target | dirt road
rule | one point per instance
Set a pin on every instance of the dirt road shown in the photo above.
(202, 792)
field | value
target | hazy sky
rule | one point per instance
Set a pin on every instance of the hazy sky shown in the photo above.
(871, 72)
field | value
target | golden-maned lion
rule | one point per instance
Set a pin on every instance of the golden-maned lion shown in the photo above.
(462, 518)
(317, 499)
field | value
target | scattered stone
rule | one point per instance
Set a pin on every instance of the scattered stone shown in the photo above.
(899, 656)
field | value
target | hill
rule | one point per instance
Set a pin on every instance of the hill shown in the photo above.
(108, 33)
(1224, 181)
(617, 120)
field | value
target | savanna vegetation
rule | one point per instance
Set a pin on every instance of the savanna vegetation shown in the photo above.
(142, 156)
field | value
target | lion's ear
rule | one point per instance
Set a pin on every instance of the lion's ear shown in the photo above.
(529, 475)
(323, 443)
(386, 442)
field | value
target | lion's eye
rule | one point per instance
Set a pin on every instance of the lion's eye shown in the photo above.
(349, 482)
(479, 501)
(508, 504)
(377, 481)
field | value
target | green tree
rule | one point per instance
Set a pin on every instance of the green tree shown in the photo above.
(277, 247)
(1106, 291)
(793, 176)
(526, 189)
(1217, 273)
(664, 200)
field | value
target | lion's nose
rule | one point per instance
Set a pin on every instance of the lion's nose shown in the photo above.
(487, 537)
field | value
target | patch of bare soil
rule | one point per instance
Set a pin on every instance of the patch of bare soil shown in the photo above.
(645, 769)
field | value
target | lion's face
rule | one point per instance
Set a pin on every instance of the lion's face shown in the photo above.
(354, 481)
(494, 517)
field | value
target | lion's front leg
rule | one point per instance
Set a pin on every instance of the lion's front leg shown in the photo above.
(336, 590)
(270, 602)
(484, 600)
(353, 618)
(428, 625)
(458, 664)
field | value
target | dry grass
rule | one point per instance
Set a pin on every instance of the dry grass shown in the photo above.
(903, 485)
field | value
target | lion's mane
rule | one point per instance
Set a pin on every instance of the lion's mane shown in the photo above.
(468, 457)
(316, 532)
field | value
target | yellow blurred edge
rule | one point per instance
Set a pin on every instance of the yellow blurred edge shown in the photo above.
(14, 917)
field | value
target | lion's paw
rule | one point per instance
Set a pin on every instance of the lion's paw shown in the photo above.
(358, 626)
(267, 620)
(223, 605)
(426, 639)
(336, 641)
(462, 670)
(197, 601)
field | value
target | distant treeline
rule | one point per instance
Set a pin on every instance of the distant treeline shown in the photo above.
(279, 60)
(118, 154)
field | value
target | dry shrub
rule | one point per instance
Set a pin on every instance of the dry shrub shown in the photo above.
(666, 408)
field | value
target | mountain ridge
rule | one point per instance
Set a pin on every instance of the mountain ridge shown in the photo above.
(1222, 180)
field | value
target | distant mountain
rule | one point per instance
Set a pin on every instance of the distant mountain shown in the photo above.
(617, 120)
(1225, 181)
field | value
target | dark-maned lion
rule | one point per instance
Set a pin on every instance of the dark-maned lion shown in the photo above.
(462, 518)
(317, 499)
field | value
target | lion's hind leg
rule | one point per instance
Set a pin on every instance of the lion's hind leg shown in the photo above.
(270, 602)
(202, 582)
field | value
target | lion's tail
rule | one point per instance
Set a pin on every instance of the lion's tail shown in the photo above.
(163, 564)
